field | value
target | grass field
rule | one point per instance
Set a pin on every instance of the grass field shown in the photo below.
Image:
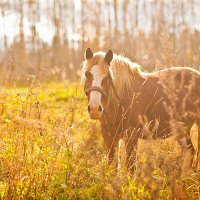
(50, 149)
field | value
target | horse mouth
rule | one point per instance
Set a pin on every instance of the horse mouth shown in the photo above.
(96, 117)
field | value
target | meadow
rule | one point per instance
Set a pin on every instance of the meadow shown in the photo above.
(50, 149)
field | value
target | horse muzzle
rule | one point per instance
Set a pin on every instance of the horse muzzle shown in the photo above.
(95, 112)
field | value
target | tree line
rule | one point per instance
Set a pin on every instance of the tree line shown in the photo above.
(154, 33)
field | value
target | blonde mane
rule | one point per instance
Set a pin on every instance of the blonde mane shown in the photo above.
(122, 71)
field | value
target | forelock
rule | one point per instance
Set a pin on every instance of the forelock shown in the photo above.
(97, 59)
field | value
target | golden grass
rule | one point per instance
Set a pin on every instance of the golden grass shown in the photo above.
(50, 149)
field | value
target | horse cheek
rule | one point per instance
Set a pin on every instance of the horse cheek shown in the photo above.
(103, 100)
(104, 86)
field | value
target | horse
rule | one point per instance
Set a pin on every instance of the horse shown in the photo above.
(132, 104)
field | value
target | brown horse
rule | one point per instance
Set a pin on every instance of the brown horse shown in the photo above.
(131, 104)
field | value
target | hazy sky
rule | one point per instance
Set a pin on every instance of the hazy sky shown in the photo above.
(9, 23)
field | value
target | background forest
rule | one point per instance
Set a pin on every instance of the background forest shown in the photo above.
(46, 39)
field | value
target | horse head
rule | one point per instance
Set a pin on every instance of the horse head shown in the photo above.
(97, 81)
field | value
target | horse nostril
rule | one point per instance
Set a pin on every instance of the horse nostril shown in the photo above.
(88, 108)
(100, 109)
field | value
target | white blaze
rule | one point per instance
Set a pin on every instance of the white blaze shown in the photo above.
(95, 97)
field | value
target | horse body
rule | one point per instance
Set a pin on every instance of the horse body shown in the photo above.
(150, 101)
(150, 105)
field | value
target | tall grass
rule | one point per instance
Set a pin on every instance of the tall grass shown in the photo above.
(49, 149)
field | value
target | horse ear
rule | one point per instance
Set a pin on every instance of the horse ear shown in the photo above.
(109, 56)
(88, 53)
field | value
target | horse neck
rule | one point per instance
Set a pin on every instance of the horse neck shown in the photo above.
(114, 106)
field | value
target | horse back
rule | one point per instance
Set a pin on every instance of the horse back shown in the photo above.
(172, 93)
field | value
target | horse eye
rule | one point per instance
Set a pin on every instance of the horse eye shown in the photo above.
(105, 78)
(86, 93)
(87, 73)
